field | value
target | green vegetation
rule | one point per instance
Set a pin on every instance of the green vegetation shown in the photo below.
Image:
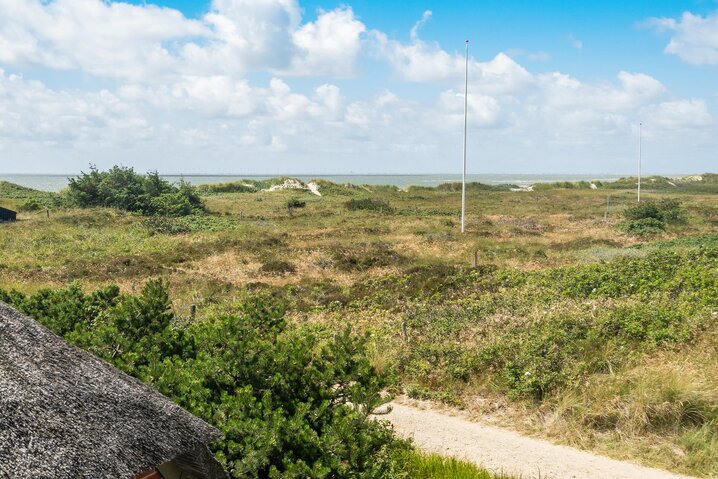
(26, 199)
(706, 183)
(368, 204)
(432, 466)
(649, 218)
(474, 187)
(244, 186)
(296, 203)
(291, 402)
(588, 323)
(125, 190)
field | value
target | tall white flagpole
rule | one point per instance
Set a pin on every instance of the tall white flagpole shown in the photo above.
(466, 109)
(640, 139)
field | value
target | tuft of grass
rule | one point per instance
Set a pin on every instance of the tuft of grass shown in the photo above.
(659, 399)
(433, 466)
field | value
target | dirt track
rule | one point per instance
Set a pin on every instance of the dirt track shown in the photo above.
(501, 450)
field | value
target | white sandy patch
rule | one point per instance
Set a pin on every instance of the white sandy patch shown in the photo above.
(692, 178)
(295, 185)
(314, 188)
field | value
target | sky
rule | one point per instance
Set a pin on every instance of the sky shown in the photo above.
(362, 86)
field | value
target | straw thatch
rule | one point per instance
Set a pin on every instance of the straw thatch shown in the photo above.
(67, 414)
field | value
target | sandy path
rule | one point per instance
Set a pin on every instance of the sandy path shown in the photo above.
(501, 450)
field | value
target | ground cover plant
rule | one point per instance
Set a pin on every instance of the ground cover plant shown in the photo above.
(26, 199)
(547, 315)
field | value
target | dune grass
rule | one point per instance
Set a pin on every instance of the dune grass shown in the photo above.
(421, 465)
(568, 327)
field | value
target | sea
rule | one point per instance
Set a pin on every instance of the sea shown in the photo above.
(56, 183)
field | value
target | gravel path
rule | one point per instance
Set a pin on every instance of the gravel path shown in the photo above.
(501, 450)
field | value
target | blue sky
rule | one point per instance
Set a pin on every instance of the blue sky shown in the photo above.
(281, 86)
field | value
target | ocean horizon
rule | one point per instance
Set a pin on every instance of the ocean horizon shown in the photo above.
(56, 182)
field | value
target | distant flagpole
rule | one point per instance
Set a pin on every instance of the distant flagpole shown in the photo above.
(466, 109)
(640, 140)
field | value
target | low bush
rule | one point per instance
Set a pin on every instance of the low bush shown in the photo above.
(644, 227)
(364, 256)
(123, 189)
(649, 218)
(368, 204)
(30, 205)
(296, 203)
(290, 401)
(277, 267)
(665, 210)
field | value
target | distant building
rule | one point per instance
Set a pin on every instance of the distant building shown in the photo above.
(7, 215)
(65, 414)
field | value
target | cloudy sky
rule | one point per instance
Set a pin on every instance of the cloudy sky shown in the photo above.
(368, 86)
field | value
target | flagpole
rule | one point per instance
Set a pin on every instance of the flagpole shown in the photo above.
(640, 139)
(466, 109)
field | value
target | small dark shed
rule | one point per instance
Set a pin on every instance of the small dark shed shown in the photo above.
(65, 414)
(7, 215)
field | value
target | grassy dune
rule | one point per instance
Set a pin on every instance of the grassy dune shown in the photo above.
(568, 327)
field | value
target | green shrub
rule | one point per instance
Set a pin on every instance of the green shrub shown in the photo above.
(296, 203)
(125, 190)
(30, 205)
(643, 227)
(368, 204)
(290, 401)
(665, 210)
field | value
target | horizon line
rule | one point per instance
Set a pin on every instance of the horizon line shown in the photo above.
(275, 175)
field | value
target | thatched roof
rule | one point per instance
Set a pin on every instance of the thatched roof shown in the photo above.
(67, 414)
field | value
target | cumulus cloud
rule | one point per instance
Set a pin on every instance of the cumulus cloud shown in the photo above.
(694, 37)
(104, 39)
(420, 61)
(31, 112)
(328, 46)
(679, 115)
(144, 43)
(173, 88)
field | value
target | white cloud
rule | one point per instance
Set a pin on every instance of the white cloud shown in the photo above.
(104, 39)
(678, 115)
(30, 112)
(152, 44)
(484, 111)
(182, 89)
(210, 96)
(425, 17)
(423, 62)
(329, 45)
(418, 61)
(246, 35)
(695, 37)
